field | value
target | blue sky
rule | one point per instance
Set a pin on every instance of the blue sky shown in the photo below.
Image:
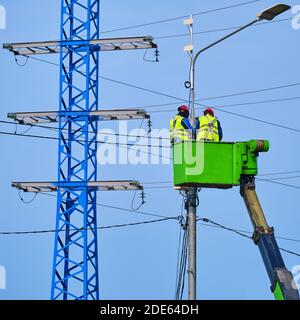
(140, 262)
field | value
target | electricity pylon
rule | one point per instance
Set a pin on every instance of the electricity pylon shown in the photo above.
(75, 263)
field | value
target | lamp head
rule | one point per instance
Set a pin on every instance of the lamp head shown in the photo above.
(272, 12)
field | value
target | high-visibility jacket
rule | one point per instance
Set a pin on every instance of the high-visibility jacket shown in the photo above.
(209, 129)
(177, 130)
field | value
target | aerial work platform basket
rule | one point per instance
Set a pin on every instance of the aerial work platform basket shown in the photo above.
(215, 164)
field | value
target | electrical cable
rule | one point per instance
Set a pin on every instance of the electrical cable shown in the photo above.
(27, 202)
(181, 225)
(179, 18)
(124, 146)
(66, 130)
(182, 265)
(279, 183)
(249, 232)
(218, 30)
(21, 64)
(184, 100)
(82, 229)
(206, 220)
(117, 208)
(278, 173)
(259, 175)
(132, 145)
(162, 218)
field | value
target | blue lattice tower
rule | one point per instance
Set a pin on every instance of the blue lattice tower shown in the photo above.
(75, 266)
(75, 263)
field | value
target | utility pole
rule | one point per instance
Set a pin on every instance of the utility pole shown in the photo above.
(191, 193)
(75, 272)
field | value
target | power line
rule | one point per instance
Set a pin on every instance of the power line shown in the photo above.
(283, 178)
(279, 183)
(180, 283)
(160, 111)
(162, 218)
(249, 232)
(231, 94)
(258, 179)
(117, 208)
(240, 104)
(205, 106)
(123, 145)
(100, 133)
(218, 30)
(89, 229)
(278, 173)
(185, 100)
(178, 218)
(259, 175)
(132, 145)
(221, 226)
(178, 17)
(259, 102)
(179, 251)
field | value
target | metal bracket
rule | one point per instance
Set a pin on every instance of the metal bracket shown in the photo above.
(111, 44)
(36, 187)
(100, 115)
(246, 182)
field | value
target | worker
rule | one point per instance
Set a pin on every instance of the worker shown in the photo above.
(180, 126)
(209, 127)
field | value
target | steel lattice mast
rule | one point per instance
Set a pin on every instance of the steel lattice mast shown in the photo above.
(75, 263)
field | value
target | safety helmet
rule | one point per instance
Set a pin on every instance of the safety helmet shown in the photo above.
(183, 108)
(209, 110)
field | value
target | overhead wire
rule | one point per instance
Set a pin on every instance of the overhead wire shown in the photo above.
(278, 173)
(83, 229)
(186, 101)
(178, 17)
(131, 145)
(221, 226)
(162, 218)
(249, 232)
(218, 30)
(118, 208)
(181, 225)
(228, 95)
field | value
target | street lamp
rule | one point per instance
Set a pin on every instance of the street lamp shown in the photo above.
(272, 12)
(267, 14)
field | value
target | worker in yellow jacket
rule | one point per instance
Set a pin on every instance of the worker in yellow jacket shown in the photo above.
(209, 128)
(180, 126)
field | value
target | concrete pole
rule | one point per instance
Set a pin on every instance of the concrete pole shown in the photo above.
(192, 196)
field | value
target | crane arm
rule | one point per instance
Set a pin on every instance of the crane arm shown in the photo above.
(282, 282)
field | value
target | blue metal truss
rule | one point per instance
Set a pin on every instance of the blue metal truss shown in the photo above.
(75, 264)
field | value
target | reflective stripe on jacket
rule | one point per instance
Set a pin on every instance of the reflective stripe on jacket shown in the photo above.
(177, 130)
(209, 129)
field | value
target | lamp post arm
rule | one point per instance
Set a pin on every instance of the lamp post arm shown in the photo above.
(201, 51)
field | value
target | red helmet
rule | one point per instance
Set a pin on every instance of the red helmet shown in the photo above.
(183, 108)
(209, 110)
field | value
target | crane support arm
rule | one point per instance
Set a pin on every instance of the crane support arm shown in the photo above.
(282, 282)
